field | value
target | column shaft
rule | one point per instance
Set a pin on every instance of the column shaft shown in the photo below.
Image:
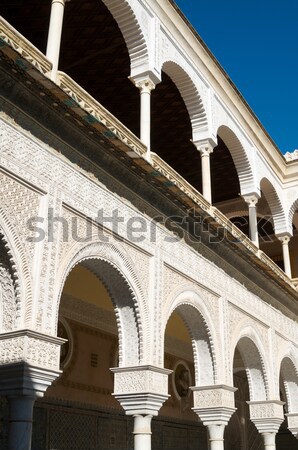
(286, 257)
(269, 441)
(142, 432)
(145, 131)
(253, 225)
(20, 422)
(54, 36)
(216, 436)
(145, 86)
(206, 176)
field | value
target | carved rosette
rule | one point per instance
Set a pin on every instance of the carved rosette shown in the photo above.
(214, 404)
(141, 389)
(29, 362)
(267, 415)
(293, 423)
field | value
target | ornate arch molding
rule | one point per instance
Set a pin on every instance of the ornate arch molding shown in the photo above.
(17, 271)
(134, 37)
(113, 267)
(194, 313)
(250, 346)
(241, 160)
(291, 215)
(276, 208)
(288, 370)
(191, 97)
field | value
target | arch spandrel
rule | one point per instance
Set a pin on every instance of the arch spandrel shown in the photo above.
(114, 269)
(191, 308)
(249, 343)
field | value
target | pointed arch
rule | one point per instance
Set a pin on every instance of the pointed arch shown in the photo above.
(108, 263)
(191, 97)
(251, 350)
(193, 312)
(275, 205)
(240, 159)
(132, 33)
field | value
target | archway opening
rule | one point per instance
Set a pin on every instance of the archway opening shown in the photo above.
(184, 431)
(288, 386)
(97, 318)
(241, 432)
(270, 210)
(171, 132)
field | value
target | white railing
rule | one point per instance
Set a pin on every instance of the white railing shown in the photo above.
(99, 114)
(10, 36)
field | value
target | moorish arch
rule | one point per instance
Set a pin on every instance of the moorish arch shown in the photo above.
(249, 345)
(189, 306)
(240, 158)
(293, 216)
(115, 272)
(132, 33)
(289, 380)
(275, 205)
(191, 97)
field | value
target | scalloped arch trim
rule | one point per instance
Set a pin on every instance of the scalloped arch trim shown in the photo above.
(131, 31)
(241, 161)
(190, 95)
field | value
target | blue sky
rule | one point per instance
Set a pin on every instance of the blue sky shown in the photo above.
(256, 42)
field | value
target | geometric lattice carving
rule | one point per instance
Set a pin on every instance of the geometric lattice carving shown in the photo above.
(72, 431)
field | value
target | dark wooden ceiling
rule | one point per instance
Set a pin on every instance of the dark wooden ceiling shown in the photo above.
(94, 54)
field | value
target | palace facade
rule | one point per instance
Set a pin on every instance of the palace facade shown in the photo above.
(148, 239)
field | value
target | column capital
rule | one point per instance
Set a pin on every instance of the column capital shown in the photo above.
(145, 85)
(267, 415)
(214, 404)
(251, 199)
(141, 390)
(205, 146)
(293, 423)
(284, 238)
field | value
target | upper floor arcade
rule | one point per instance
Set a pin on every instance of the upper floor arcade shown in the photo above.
(140, 70)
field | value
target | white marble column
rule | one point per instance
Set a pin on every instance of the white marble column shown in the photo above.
(54, 35)
(145, 86)
(142, 432)
(267, 416)
(214, 405)
(206, 148)
(252, 201)
(285, 239)
(141, 391)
